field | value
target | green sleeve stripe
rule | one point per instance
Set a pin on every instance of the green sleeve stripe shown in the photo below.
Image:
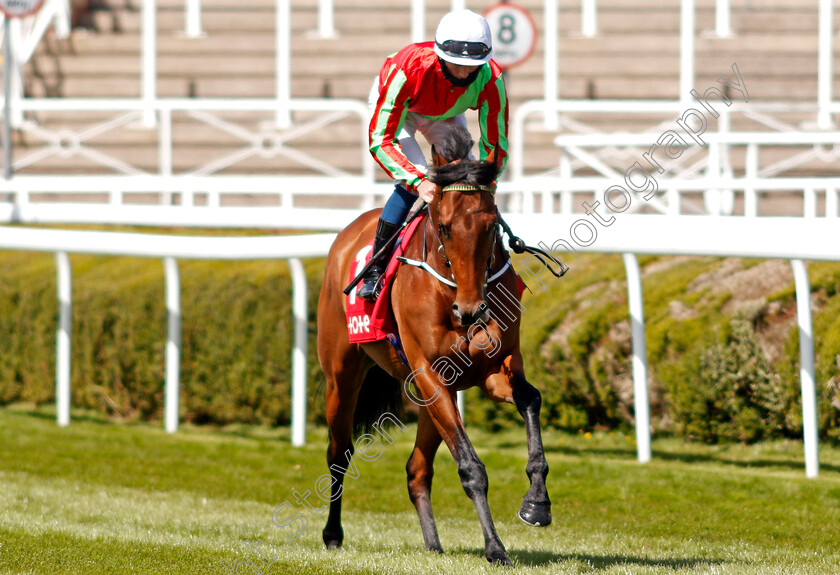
(500, 127)
(384, 131)
(501, 121)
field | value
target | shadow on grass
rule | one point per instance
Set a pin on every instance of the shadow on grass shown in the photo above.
(541, 558)
(74, 418)
(630, 453)
(758, 463)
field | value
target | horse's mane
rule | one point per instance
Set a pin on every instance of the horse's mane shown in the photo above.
(456, 146)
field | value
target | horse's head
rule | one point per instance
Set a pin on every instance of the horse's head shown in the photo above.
(464, 215)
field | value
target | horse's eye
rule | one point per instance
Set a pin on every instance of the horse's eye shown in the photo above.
(444, 230)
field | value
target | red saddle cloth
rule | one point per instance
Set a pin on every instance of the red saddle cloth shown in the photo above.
(374, 320)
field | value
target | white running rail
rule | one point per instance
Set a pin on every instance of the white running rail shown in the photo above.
(632, 235)
(170, 249)
(629, 235)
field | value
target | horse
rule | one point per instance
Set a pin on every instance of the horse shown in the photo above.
(464, 330)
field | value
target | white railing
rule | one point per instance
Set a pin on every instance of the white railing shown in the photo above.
(209, 212)
(267, 140)
(170, 249)
(609, 154)
(195, 196)
(795, 239)
(718, 195)
(200, 201)
(253, 137)
(629, 235)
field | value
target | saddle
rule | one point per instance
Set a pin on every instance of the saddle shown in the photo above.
(369, 321)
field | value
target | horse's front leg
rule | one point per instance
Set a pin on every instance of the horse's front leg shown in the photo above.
(536, 506)
(510, 385)
(442, 408)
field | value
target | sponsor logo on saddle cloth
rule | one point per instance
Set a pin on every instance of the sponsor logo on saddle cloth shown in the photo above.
(373, 320)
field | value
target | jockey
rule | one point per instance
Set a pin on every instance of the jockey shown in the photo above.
(418, 87)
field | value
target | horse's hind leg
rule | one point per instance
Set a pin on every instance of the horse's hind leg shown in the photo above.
(342, 393)
(419, 470)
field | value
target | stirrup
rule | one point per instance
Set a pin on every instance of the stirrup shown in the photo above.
(369, 289)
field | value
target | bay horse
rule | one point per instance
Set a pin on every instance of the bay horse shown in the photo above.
(437, 323)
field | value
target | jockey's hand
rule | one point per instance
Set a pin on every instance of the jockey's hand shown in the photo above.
(426, 191)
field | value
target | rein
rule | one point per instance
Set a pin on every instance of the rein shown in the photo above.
(519, 247)
(515, 243)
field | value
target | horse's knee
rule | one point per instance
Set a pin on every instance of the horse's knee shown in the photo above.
(525, 394)
(473, 477)
(527, 398)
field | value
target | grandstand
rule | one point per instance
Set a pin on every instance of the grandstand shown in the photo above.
(634, 54)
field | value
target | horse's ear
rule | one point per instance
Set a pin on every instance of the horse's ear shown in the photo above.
(437, 159)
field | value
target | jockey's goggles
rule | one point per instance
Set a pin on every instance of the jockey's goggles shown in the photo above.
(459, 49)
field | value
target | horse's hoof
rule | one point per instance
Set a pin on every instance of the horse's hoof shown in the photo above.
(535, 514)
(438, 550)
(499, 558)
(333, 539)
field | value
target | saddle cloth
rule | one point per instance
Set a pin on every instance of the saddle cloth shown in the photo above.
(369, 321)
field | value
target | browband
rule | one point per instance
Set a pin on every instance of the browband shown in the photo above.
(468, 188)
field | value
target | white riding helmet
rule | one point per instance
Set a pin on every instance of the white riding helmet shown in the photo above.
(463, 37)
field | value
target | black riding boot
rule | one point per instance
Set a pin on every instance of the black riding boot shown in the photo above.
(368, 289)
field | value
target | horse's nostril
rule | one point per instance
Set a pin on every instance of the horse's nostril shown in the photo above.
(454, 307)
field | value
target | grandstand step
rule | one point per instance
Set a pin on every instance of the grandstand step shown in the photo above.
(174, 21)
(187, 160)
(263, 43)
(192, 133)
(792, 86)
(586, 65)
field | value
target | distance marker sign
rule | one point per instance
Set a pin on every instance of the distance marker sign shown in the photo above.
(19, 8)
(514, 34)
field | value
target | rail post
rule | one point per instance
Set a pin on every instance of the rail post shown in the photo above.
(173, 343)
(299, 310)
(637, 324)
(63, 338)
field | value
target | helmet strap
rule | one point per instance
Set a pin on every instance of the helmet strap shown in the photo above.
(458, 82)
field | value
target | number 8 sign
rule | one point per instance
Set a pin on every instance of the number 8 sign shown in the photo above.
(19, 8)
(514, 34)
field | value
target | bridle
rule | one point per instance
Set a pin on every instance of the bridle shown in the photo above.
(489, 276)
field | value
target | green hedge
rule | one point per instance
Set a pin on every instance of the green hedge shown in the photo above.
(710, 378)
(236, 337)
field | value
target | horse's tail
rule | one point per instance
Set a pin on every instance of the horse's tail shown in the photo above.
(380, 393)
